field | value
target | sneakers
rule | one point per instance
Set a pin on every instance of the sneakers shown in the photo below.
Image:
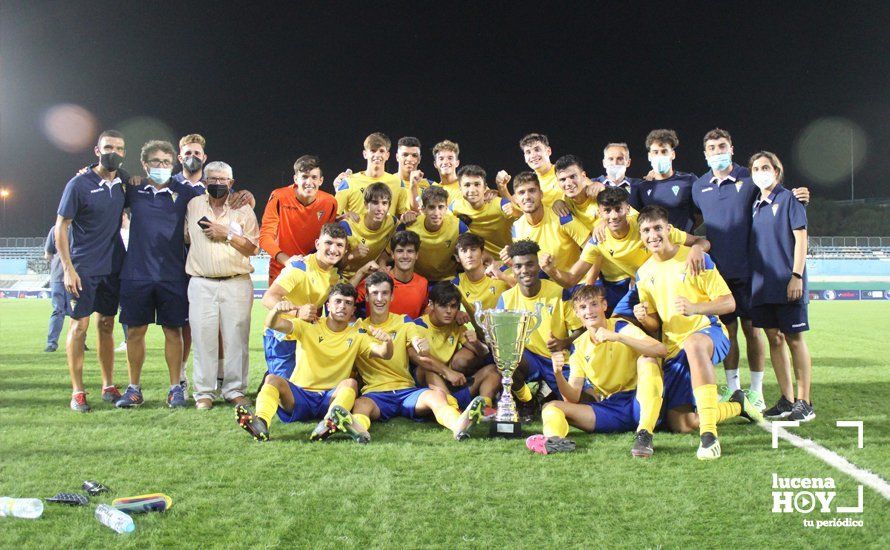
(132, 398)
(122, 348)
(709, 448)
(176, 398)
(801, 411)
(749, 411)
(340, 420)
(725, 394)
(51, 348)
(251, 424)
(780, 410)
(472, 415)
(756, 399)
(324, 429)
(548, 445)
(642, 447)
(79, 402)
(527, 411)
(110, 394)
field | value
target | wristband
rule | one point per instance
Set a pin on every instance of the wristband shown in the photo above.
(797, 275)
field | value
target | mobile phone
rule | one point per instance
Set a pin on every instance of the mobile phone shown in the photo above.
(203, 223)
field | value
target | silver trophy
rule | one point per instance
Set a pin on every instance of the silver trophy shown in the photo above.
(507, 331)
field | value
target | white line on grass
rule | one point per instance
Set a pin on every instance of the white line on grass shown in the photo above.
(831, 458)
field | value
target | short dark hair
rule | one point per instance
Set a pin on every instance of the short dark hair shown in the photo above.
(343, 289)
(157, 145)
(444, 293)
(534, 137)
(334, 231)
(652, 213)
(524, 178)
(612, 197)
(111, 134)
(567, 161)
(306, 163)
(472, 170)
(404, 238)
(434, 193)
(589, 292)
(663, 135)
(469, 240)
(524, 247)
(377, 191)
(717, 133)
(379, 277)
(409, 141)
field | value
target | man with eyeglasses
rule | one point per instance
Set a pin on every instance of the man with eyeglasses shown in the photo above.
(154, 286)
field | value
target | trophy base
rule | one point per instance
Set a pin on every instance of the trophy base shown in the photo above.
(506, 429)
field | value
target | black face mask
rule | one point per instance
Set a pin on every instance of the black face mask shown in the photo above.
(192, 164)
(217, 190)
(111, 161)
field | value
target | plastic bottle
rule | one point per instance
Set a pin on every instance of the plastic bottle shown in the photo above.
(115, 519)
(28, 508)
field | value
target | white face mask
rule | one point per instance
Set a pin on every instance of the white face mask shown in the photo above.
(615, 172)
(763, 179)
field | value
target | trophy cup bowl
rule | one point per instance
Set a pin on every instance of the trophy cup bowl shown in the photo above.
(506, 332)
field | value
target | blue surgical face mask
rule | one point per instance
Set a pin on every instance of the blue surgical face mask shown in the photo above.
(160, 175)
(720, 161)
(661, 164)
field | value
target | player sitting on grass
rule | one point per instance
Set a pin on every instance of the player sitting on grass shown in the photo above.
(321, 385)
(559, 325)
(389, 389)
(685, 307)
(617, 358)
(456, 354)
(487, 214)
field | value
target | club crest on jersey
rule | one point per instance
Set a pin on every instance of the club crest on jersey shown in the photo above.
(652, 280)
(319, 214)
(683, 276)
(490, 289)
(550, 309)
(738, 186)
(649, 192)
(448, 243)
(675, 189)
(320, 338)
(349, 342)
(775, 208)
(451, 340)
(175, 196)
(611, 252)
(587, 359)
(467, 293)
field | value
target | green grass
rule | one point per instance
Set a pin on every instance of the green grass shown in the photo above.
(413, 486)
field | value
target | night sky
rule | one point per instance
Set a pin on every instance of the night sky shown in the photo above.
(267, 84)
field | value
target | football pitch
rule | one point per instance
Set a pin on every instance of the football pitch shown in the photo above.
(414, 486)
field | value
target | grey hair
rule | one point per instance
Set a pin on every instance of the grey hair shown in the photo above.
(614, 144)
(219, 166)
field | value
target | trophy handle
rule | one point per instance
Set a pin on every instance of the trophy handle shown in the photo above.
(479, 315)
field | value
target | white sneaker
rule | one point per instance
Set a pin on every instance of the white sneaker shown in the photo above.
(122, 348)
(709, 448)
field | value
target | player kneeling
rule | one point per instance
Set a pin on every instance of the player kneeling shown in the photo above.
(617, 358)
(389, 389)
(320, 386)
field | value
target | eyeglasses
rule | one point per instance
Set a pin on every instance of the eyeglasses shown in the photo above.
(157, 163)
(217, 180)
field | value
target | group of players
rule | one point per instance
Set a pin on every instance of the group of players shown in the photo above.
(636, 310)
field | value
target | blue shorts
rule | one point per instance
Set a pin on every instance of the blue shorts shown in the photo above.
(741, 292)
(163, 302)
(678, 381)
(464, 394)
(789, 318)
(625, 305)
(620, 412)
(541, 369)
(280, 353)
(308, 404)
(392, 403)
(100, 294)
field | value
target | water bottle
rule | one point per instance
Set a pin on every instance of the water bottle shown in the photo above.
(28, 508)
(114, 519)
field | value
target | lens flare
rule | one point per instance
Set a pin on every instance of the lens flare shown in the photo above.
(829, 148)
(70, 127)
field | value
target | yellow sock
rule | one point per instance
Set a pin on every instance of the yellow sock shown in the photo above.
(650, 387)
(267, 402)
(488, 402)
(345, 398)
(523, 394)
(706, 401)
(451, 400)
(363, 420)
(446, 415)
(555, 422)
(728, 410)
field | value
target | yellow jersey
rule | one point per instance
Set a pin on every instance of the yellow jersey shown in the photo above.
(305, 282)
(445, 340)
(351, 193)
(660, 282)
(489, 222)
(621, 258)
(327, 357)
(435, 260)
(485, 290)
(557, 316)
(390, 374)
(422, 184)
(562, 237)
(586, 212)
(610, 366)
(376, 240)
(453, 189)
(549, 187)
